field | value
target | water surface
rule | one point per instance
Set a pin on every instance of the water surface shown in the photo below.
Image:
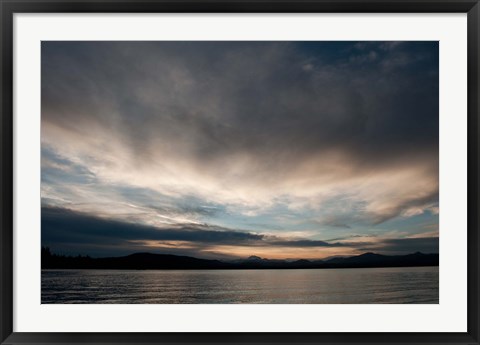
(357, 286)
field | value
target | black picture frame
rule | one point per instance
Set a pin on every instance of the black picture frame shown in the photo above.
(9, 8)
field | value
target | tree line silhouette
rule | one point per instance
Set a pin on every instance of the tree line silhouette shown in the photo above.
(166, 261)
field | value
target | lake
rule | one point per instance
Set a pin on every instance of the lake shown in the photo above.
(317, 286)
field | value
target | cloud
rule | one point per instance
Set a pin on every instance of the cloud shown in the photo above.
(403, 245)
(334, 134)
(66, 225)
(63, 227)
(303, 243)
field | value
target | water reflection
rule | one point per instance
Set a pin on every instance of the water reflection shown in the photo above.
(358, 286)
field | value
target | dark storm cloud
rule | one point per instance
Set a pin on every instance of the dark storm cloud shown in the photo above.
(304, 243)
(229, 97)
(403, 245)
(62, 227)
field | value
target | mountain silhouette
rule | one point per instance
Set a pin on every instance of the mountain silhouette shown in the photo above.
(176, 262)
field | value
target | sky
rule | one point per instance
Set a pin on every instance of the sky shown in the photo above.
(231, 149)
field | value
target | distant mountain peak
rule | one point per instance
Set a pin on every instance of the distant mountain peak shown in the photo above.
(370, 254)
(254, 258)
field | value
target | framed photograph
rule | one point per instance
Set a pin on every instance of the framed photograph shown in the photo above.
(249, 172)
